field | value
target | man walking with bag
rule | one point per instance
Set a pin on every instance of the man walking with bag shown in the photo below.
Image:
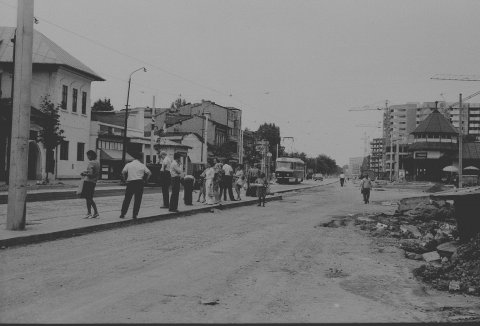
(136, 174)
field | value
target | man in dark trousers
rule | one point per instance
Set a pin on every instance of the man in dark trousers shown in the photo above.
(136, 174)
(227, 181)
(165, 178)
(176, 172)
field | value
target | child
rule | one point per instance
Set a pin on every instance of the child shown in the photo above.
(261, 184)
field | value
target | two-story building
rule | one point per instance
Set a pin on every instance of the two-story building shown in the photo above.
(67, 82)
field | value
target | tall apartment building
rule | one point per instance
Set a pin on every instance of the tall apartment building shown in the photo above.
(376, 157)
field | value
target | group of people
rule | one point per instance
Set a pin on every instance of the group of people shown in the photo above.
(219, 178)
(215, 181)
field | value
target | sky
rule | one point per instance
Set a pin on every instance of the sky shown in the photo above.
(301, 64)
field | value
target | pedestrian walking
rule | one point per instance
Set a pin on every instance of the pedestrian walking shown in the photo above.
(366, 186)
(136, 174)
(261, 183)
(165, 178)
(202, 191)
(239, 180)
(176, 172)
(342, 179)
(209, 176)
(188, 182)
(90, 178)
(227, 181)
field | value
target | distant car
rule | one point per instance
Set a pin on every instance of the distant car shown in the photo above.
(317, 177)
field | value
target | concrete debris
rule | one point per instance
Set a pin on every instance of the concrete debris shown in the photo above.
(454, 286)
(381, 226)
(447, 249)
(460, 273)
(427, 230)
(365, 219)
(431, 256)
(412, 229)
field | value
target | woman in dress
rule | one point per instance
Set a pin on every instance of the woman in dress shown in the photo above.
(209, 175)
(239, 180)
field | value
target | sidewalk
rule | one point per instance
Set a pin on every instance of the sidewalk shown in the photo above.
(56, 219)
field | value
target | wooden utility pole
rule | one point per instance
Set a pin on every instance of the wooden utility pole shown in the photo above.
(152, 129)
(460, 141)
(17, 189)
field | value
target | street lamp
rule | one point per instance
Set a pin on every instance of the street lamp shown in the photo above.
(124, 149)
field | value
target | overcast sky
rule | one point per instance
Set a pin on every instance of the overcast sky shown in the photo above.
(299, 64)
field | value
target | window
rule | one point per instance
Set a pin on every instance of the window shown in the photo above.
(84, 102)
(80, 151)
(64, 96)
(74, 99)
(64, 150)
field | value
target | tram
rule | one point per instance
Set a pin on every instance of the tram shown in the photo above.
(289, 169)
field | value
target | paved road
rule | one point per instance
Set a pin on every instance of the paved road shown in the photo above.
(251, 264)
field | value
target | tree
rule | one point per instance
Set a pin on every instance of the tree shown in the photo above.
(178, 103)
(51, 135)
(226, 150)
(270, 132)
(102, 105)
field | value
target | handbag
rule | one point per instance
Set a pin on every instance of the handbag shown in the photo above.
(80, 188)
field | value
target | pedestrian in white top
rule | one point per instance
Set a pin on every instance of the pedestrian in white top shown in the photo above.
(342, 179)
(176, 172)
(227, 181)
(136, 174)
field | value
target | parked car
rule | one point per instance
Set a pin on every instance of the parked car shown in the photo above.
(317, 177)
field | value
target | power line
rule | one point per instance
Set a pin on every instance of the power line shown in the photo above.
(138, 59)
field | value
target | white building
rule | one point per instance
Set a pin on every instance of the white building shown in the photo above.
(66, 81)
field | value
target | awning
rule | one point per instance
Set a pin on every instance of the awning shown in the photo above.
(114, 155)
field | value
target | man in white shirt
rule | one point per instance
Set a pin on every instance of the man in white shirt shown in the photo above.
(176, 172)
(342, 179)
(136, 174)
(165, 177)
(227, 181)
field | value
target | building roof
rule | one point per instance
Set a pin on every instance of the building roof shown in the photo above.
(182, 134)
(45, 52)
(435, 123)
(116, 118)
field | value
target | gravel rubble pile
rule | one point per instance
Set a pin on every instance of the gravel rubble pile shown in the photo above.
(427, 232)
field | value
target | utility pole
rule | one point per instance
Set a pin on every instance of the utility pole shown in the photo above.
(460, 141)
(17, 190)
(205, 149)
(152, 129)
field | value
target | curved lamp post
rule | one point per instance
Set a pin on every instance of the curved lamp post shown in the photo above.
(124, 149)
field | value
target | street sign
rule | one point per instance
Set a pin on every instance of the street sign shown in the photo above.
(259, 148)
(269, 154)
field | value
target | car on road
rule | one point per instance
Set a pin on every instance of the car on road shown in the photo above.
(317, 177)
